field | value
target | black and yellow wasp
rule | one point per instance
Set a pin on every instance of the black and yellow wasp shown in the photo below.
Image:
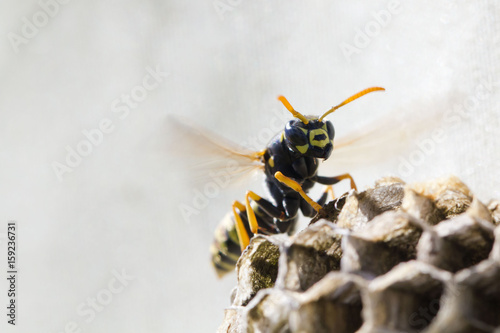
(290, 163)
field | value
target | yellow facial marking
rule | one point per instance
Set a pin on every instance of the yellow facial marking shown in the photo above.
(302, 149)
(271, 162)
(318, 143)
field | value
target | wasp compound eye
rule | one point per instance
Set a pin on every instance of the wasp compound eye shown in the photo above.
(295, 134)
(330, 130)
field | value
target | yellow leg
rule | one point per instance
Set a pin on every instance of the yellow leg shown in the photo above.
(252, 220)
(240, 228)
(296, 187)
(329, 189)
(348, 176)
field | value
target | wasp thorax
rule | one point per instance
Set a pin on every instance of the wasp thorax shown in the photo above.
(313, 139)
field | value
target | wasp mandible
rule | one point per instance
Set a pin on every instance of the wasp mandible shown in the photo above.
(290, 163)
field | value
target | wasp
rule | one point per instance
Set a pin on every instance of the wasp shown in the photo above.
(290, 163)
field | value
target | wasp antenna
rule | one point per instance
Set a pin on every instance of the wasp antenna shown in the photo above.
(296, 114)
(350, 99)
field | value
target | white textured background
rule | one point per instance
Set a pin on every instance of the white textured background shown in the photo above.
(119, 209)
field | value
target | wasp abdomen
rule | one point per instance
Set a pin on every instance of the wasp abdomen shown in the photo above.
(225, 249)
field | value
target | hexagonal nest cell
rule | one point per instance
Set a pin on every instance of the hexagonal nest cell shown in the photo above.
(396, 257)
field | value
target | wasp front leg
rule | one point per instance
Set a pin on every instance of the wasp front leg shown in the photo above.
(322, 180)
(335, 180)
(307, 210)
(297, 188)
(328, 191)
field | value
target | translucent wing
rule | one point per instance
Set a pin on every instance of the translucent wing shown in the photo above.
(393, 135)
(207, 155)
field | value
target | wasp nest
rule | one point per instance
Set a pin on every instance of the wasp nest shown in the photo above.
(395, 258)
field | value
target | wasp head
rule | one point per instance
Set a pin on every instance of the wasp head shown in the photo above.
(313, 139)
(311, 136)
